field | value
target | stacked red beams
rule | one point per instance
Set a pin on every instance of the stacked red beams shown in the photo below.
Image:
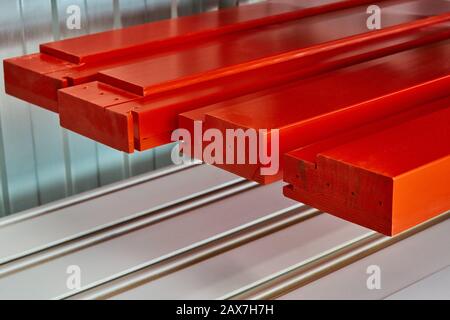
(193, 91)
(137, 117)
(335, 92)
(111, 121)
(226, 83)
(37, 77)
(314, 108)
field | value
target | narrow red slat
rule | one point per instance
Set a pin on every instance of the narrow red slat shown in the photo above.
(156, 35)
(225, 55)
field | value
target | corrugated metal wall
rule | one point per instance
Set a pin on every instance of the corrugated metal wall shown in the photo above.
(39, 161)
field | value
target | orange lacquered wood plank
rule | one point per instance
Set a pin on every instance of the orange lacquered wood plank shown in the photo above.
(388, 176)
(87, 72)
(330, 103)
(100, 103)
(153, 36)
(193, 64)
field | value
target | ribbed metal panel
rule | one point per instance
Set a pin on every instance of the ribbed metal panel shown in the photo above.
(213, 236)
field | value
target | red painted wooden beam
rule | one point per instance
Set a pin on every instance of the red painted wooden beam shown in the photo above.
(314, 108)
(149, 133)
(36, 78)
(154, 36)
(388, 176)
(231, 54)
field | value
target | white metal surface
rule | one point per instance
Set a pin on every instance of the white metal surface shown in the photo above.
(435, 287)
(400, 265)
(199, 232)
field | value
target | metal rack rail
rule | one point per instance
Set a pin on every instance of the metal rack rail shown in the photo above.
(216, 237)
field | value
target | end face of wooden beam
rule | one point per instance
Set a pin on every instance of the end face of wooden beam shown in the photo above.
(30, 78)
(96, 111)
(387, 176)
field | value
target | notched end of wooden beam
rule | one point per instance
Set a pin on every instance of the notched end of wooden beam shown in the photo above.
(95, 110)
(30, 78)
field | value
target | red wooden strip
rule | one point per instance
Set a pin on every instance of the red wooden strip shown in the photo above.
(226, 55)
(388, 176)
(153, 36)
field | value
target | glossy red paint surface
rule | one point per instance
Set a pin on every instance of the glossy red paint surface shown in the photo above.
(225, 55)
(316, 107)
(153, 36)
(389, 175)
(363, 115)
(36, 77)
(290, 66)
